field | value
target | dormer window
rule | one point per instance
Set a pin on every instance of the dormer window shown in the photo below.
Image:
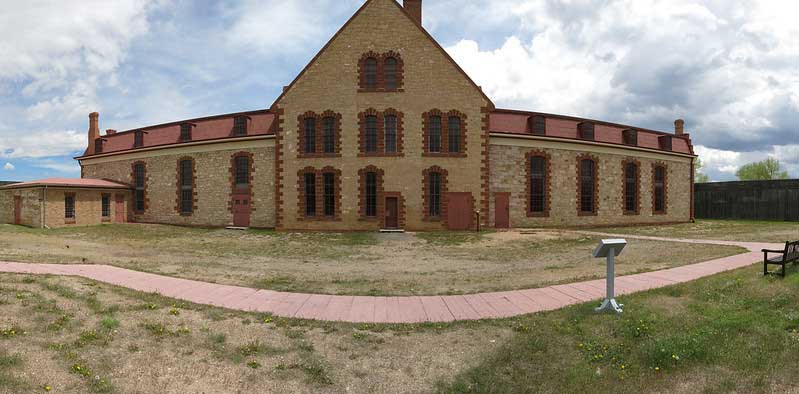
(185, 132)
(630, 137)
(138, 139)
(665, 142)
(537, 125)
(240, 126)
(98, 145)
(586, 131)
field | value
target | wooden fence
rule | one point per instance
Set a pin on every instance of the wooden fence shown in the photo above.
(749, 200)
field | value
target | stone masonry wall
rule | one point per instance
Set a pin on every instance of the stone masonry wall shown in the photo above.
(88, 206)
(31, 206)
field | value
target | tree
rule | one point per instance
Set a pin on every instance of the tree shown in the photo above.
(763, 170)
(698, 176)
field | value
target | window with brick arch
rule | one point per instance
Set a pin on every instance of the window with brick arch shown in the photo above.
(139, 187)
(434, 194)
(587, 183)
(631, 188)
(370, 73)
(370, 195)
(242, 171)
(310, 135)
(329, 134)
(371, 134)
(390, 73)
(659, 185)
(434, 143)
(538, 184)
(310, 194)
(390, 129)
(329, 193)
(186, 186)
(454, 134)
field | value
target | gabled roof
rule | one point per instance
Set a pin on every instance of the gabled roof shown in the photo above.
(414, 21)
(69, 182)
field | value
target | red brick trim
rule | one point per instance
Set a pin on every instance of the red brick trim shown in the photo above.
(547, 183)
(318, 130)
(595, 211)
(665, 188)
(425, 196)
(444, 133)
(133, 182)
(379, 216)
(400, 209)
(624, 164)
(380, 85)
(400, 131)
(278, 130)
(319, 187)
(248, 189)
(485, 169)
(194, 187)
(381, 133)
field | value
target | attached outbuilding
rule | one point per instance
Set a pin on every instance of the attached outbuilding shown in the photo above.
(59, 202)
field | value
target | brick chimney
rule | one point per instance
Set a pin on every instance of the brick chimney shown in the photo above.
(414, 9)
(679, 127)
(94, 131)
(110, 132)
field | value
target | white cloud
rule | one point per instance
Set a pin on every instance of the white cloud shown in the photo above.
(42, 144)
(723, 164)
(9, 167)
(66, 168)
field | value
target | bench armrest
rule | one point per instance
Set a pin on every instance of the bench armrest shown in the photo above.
(772, 251)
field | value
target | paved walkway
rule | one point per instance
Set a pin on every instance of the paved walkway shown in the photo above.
(414, 309)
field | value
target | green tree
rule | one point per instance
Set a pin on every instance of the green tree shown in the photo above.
(762, 170)
(699, 177)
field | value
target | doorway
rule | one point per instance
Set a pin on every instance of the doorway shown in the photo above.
(119, 210)
(502, 210)
(241, 210)
(460, 211)
(392, 213)
(17, 210)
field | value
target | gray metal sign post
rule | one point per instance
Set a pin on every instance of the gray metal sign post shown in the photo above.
(610, 248)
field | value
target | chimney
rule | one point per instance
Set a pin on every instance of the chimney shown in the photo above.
(414, 9)
(94, 131)
(110, 132)
(679, 127)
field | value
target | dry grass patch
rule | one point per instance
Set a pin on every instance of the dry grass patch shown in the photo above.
(728, 230)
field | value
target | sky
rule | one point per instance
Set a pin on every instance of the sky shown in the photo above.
(730, 68)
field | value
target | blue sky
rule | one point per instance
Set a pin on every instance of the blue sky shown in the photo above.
(728, 67)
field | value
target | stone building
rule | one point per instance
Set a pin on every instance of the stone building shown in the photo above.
(383, 130)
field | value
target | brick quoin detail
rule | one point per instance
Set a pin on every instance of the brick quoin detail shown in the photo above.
(485, 162)
(595, 211)
(146, 182)
(444, 133)
(236, 190)
(319, 186)
(362, 194)
(278, 130)
(425, 195)
(381, 133)
(319, 146)
(665, 188)
(193, 187)
(380, 86)
(547, 184)
(624, 164)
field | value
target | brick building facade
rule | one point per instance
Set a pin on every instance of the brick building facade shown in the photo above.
(383, 129)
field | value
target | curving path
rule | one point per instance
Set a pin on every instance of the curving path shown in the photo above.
(415, 309)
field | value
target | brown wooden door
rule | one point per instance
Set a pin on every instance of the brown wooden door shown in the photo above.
(502, 210)
(17, 210)
(460, 211)
(392, 213)
(241, 210)
(119, 210)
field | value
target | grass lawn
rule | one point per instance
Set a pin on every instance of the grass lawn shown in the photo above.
(351, 263)
(730, 230)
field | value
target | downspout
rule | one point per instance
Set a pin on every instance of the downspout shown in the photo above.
(44, 209)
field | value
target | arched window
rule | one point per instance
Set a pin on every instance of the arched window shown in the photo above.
(631, 188)
(242, 171)
(538, 184)
(139, 184)
(370, 136)
(659, 192)
(329, 193)
(587, 181)
(434, 194)
(434, 143)
(390, 130)
(310, 194)
(370, 195)
(329, 134)
(454, 134)
(310, 135)
(370, 73)
(390, 73)
(186, 187)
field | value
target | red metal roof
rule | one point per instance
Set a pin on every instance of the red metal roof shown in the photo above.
(69, 182)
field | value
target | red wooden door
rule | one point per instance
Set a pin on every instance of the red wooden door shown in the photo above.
(502, 210)
(392, 213)
(17, 210)
(119, 211)
(460, 211)
(241, 210)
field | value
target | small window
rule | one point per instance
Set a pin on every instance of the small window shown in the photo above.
(310, 194)
(660, 189)
(242, 169)
(665, 142)
(587, 183)
(329, 134)
(630, 137)
(538, 184)
(310, 136)
(454, 134)
(390, 73)
(434, 134)
(371, 134)
(390, 124)
(139, 187)
(69, 206)
(631, 188)
(434, 194)
(240, 126)
(98, 145)
(586, 131)
(185, 132)
(370, 195)
(186, 186)
(138, 139)
(106, 206)
(370, 73)
(538, 125)
(329, 193)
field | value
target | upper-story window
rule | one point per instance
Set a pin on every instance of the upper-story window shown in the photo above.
(310, 135)
(587, 183)
(370, 74)
(329, 134)
(240, 125)
(444, 133)
(630, 137)
(537, 125)
(585, 131)
(659, 189)
(98, 145)
(665, 142)
(434, 134)
(380, 72)
(390, 73)
(390, 130)
(185, 132)
(138, 139)
(380, 133)
(319, 134)
(370, 145)
(454, 134)
(140, 185)
(631, 182)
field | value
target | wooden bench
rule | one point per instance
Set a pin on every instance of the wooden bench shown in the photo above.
(788, 255)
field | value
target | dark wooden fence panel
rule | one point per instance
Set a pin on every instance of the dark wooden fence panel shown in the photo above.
(750, 200)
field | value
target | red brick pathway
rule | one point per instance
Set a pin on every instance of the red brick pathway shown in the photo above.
(414, 309)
